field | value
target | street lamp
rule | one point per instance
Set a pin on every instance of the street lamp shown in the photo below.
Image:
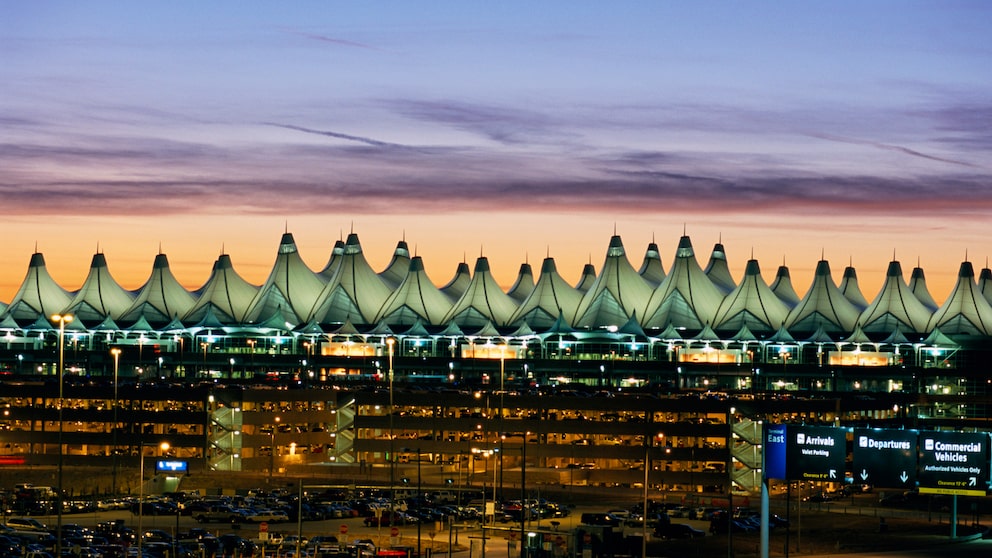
(392, 458)
(272, 449)
(164, 446)
(523, 488)
(502, 374)
(486, 453)
(644, 512)
(251, 350)
(61, 319)
(730, 480)
(179, 339)
(116, 352)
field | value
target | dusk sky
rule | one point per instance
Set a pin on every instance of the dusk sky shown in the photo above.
(513, 129)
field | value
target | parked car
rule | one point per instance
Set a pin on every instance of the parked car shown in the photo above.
(231, 543)
(678, 531)
(268, 516)
(219, 513)
(26, 524)
(386, 518)
(323, 543)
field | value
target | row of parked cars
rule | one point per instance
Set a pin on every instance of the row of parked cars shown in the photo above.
(26, 537)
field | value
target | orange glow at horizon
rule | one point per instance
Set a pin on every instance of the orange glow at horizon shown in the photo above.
(192, 244)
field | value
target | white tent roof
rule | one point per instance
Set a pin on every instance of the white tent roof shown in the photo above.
(782, 336)
(686, 297)
(395, 272)
(616, 294)
(455, 288)
(918, 286)
(857, 337)
(291, 287)
(483, 301)
(718, 271)
(279, 321)
(850, 289)
(587, 278)
(524, 285)
(100, 296)
(226, 293)
(782, 287)
(823, 305)
(895, 307)
(751, 304)
(354, 293)
(551, 297)
(415, 299)
(652, 270)
(333, 261)
(965, 312)
(39, 294)
(161, 298)
(985, 283)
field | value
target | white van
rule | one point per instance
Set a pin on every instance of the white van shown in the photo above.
(444, 497)
(26, 524)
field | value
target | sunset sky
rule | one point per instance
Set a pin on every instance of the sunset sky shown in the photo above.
(512, 129)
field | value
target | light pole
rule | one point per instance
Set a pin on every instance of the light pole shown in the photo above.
(179, 339)
(164, 446)
(61, 319)
(392, 439)
(251, 350)
(502, 374)
(644, 512)
(272, 449)
(420, 494)
(485, 453)
(524, 511)
(116, 352)
(730, 480)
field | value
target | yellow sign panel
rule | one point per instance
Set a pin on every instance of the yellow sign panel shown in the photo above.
(952, 491)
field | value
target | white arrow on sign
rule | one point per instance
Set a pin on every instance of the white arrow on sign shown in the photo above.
(833, 473)
(904, 477)
(864, 474)
(972, 481)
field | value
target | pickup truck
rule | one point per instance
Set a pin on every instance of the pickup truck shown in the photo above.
(222, 514)
(268, 516)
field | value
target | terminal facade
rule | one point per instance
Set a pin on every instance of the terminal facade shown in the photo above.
(579, 391)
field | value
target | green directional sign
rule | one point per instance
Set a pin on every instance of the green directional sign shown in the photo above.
(954, 463)
(816, 453)
(884, 458)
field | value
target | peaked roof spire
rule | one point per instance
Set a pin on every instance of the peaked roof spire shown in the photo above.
(823, 306)
(616, 293)
(894, 308)
(751, 304)
(686, 296)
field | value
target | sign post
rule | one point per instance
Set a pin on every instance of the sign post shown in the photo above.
(816, 453)
(954, 463)
(885, 458)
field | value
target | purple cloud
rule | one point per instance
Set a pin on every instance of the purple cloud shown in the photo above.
(329, 40)
(338, 135)
(897, 148)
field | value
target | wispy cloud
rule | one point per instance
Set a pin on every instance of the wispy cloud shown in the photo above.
(592, 159)
(338, 135)
(502, 124)
(327, 39)
(896, 148)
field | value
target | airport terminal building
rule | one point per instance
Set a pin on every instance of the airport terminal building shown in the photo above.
(634, 374)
